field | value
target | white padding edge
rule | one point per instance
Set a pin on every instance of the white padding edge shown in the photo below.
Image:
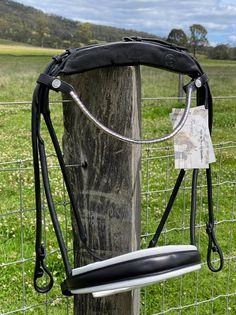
(109, 292)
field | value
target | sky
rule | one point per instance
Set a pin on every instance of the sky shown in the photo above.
(157, 17)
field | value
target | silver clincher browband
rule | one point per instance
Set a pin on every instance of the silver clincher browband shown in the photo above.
(58, 85)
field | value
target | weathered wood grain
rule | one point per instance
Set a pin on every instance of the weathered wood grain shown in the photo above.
(106, 184)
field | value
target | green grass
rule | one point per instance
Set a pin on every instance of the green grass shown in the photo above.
(11, 43)
(17, 216)
(8, 47)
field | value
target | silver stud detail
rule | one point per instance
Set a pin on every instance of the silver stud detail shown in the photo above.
(198, 83)
(56, 83)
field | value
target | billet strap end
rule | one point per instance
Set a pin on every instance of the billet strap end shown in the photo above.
(40, 271)
(213, 247)
(55, 83)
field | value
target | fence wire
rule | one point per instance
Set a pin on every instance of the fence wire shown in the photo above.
(201, 293)
(205, 292)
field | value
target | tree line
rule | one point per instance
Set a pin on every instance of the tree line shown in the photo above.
(31, 26)
(28, 25)
(197, 42)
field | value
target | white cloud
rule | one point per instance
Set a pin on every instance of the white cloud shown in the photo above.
(215, 26)
(232, 39)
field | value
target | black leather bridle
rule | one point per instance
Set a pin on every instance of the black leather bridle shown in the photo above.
(132, 51)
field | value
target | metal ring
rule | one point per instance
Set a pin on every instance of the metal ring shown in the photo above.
(116, 135)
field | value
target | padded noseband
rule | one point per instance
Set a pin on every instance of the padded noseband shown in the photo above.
(133, 270)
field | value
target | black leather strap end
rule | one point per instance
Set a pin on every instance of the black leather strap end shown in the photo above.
(54, 83)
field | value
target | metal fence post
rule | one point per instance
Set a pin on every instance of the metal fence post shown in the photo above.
(106, 184)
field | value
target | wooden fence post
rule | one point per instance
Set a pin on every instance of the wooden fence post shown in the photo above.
(106, 184)
(180, 88)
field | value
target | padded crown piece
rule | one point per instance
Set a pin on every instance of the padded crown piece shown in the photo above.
(130, 54)
(132, 270)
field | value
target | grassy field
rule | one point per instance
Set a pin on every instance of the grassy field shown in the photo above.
(8, 47)
(200, 293)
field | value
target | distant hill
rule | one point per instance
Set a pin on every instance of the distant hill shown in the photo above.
(28, 25)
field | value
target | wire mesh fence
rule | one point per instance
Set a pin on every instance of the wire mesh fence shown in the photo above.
(200, 293)
(205, 292)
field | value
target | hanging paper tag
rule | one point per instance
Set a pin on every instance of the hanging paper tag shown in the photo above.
(192, 144)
